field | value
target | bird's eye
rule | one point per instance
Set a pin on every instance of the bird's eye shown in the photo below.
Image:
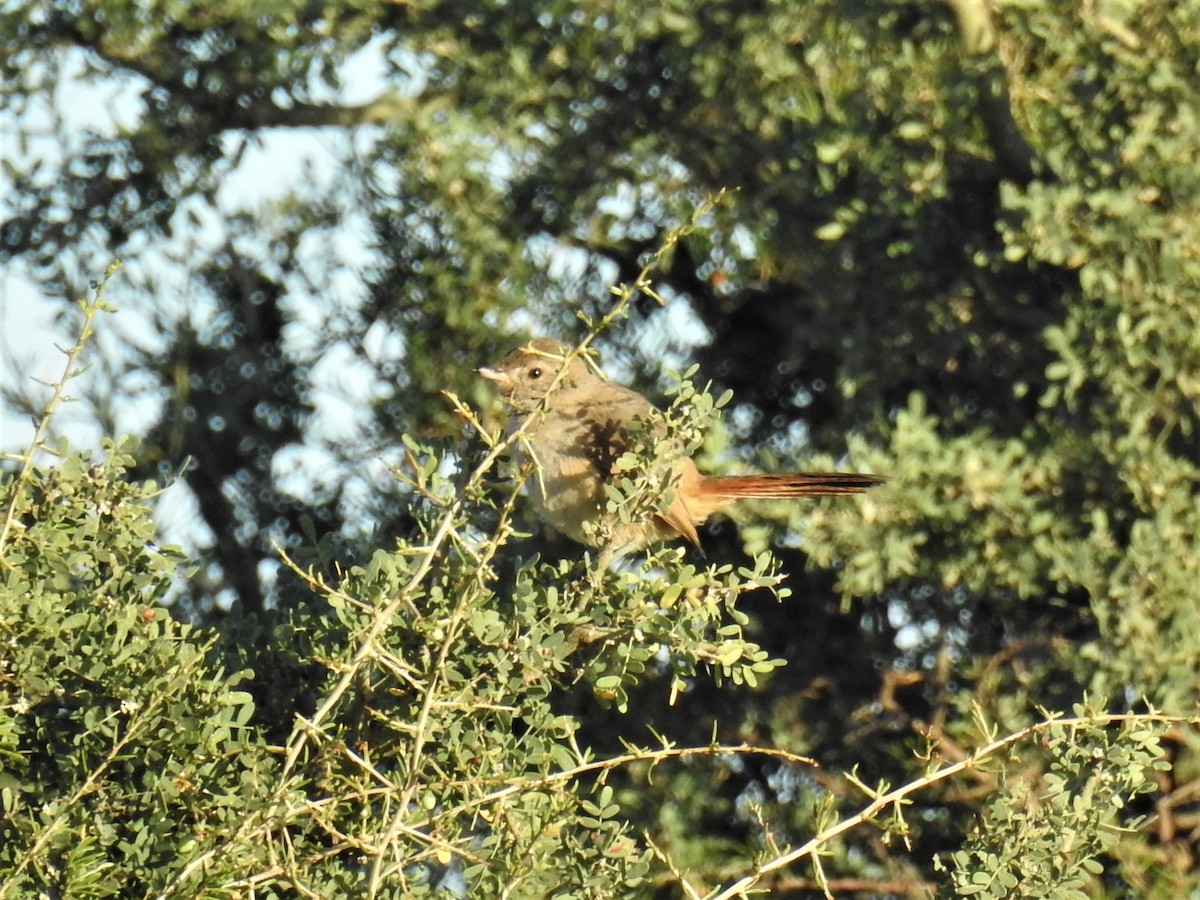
(535, 373)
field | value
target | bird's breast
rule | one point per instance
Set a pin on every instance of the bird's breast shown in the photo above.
(567, 484)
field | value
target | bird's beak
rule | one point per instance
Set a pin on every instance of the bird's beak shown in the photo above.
(503, 380)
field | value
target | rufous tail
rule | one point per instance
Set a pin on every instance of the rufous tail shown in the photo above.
(794, 484)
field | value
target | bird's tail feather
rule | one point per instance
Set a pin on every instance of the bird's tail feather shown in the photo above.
(794, 484)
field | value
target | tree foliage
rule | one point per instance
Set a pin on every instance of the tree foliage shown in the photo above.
(956, 248)
(437, 761)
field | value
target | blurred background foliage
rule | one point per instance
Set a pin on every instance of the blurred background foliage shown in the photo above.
(959, 249)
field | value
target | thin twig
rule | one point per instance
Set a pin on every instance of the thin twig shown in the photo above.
(884, 800)
(90, 308)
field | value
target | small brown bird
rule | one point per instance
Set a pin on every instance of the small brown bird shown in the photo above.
(587, 423)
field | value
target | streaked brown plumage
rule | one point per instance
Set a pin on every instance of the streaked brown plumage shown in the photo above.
(587, 423)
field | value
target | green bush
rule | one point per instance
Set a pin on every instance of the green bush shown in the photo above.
(438, 759)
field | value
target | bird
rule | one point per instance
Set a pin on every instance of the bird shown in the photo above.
(576, 425)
